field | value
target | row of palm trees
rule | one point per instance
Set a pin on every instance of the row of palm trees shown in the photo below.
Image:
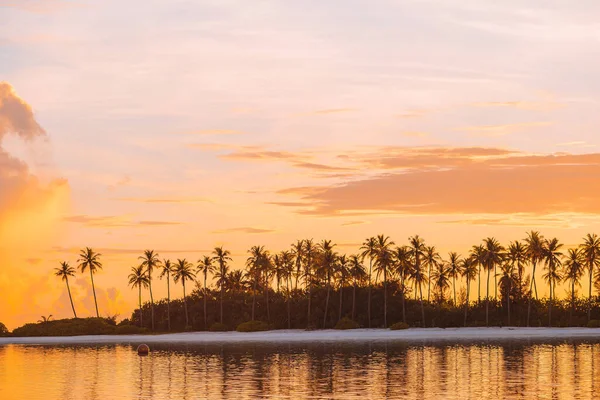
(415, 267)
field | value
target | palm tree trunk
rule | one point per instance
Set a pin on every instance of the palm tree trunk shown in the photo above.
(204, 298)
(487, 299)
(590, 295)
(530, 293)
(429, 283)
(341, 299)
(168, 303)
(495, 283)
(467, 302)
(403, 301)
(70, 298)
(185, 304)
(550, 307)
(326, 303)
(353, 300)
(140, 298)
(94, 290)
(479, 285)
(151, 300)
(222, 291)
(508, 300)
(572, 301)
(309, 285)
(422, 307)
(268, 309)
(384, 299)
(289, 299)
(254, 297)
(369, 294)
(454, 288)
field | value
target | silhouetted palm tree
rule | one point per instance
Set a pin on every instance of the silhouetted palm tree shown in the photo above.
(65, 271)
(358, 274)
(384, 260)
(403, 269)
(139, 278)
(478, 257)
(552, 257)
(454, 264)
(183, 271)
(417, 252)
(574, 269)
(222, 256)
(298, 253)
(534, 247)
(494, 255)
(310, 252)
(342, 272)
(150, 261)
(470, 272)
(591, 254)
(89, 259)
(368, 250)
(517, 256)
(441, 279)
(327, 269)
(255, 265)
(205, 266)
(432, 259)
(287, 274)
(165, 271)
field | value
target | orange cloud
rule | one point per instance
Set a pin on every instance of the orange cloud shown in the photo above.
(114, 221)
(249, 230)
(503, 129)
(511, 184)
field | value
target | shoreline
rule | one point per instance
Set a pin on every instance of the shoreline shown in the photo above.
(446, 335)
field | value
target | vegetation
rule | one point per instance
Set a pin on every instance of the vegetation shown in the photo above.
(346, 323)
(399, 326)
(76, 327)
(252, 326)
(312, 285)
(3, 330)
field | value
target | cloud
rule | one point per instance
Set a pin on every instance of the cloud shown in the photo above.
(249, 230)
(114, 221)
(350, 223)
(38, 6)
(334, 111)
(262, 155)
(503, 129)
(536, 184)
(16, 116)
(522, 105)
(214, 132)
(414, 134)
(164, 200)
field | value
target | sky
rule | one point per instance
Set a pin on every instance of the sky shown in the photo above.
(182, 125)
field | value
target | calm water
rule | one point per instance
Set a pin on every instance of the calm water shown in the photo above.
(567, 370)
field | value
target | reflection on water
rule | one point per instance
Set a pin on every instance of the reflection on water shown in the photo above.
(512, 370)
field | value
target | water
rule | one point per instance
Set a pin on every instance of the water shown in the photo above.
(510, 370)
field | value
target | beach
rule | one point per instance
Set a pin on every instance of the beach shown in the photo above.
(324, 336)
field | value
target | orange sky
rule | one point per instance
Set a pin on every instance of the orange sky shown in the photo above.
(179, 127)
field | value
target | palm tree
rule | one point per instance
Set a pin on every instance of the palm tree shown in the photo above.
(89, 259)
(298, 252)
(417, 252)
(327, 269)
(358, 274)
(150, 261)
(309, 253)
(165, 271)
(469, 271)
(494, 254)
(591, 254)
(478, 257)
(403, 269)
(574, 269)
(222, 256)
(139, 278)
(552, 257)
(45, 319)
(384, 260)
(287, 274)
(342, 272)
(454, 270)
(368, 250)
(267, 270)
(534, 248)
(441, 279)
(507, 276)
(432, 259)
(517, 255)
(205, 265)
(255, 264)
(65, 271)
(183, 271)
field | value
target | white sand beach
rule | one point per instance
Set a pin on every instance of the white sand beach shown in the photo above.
(324, 336)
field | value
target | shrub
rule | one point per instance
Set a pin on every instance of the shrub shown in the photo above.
(67, 327)
(252, 326)
(3, 330)
(399, 326)
(130, 330)
(346, 323)
(594, 323)
(218, 327)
